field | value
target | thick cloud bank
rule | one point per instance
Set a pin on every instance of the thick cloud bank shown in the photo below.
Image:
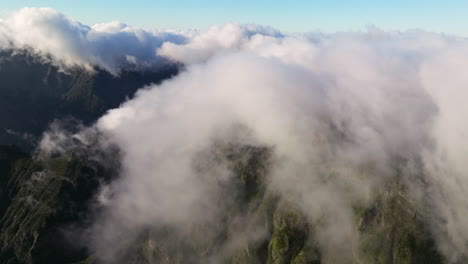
(69, 43)
(342, 113)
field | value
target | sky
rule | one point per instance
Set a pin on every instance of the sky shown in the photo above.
(288, 16)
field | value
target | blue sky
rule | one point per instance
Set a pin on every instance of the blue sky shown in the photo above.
(289, 16)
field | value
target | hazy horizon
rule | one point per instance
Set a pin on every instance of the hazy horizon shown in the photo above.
(292, 16)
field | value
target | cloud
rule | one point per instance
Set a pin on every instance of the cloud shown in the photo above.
(217, 38)
(339, 112)
(111, 46)
(446, 82)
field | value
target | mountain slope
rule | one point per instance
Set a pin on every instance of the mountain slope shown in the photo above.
(47, 195)
(34, 92)
(53, 194)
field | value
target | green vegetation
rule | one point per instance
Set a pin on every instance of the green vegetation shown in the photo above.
(47, 194)
(391, 230)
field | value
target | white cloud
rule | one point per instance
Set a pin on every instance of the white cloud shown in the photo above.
(217, 38)
(70, 43)
(339, 110)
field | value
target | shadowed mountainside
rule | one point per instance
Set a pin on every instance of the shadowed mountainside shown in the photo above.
(33, 93)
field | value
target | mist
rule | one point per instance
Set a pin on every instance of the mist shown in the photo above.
(341, 116)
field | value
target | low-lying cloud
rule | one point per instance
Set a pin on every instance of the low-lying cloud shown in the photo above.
(68, 43)
(339, 112)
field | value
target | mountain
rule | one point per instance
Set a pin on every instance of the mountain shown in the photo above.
(34, 92)
(48, 195)
(43, 197)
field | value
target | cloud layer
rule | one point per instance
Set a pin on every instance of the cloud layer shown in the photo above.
(69, 43)
(341, 112)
